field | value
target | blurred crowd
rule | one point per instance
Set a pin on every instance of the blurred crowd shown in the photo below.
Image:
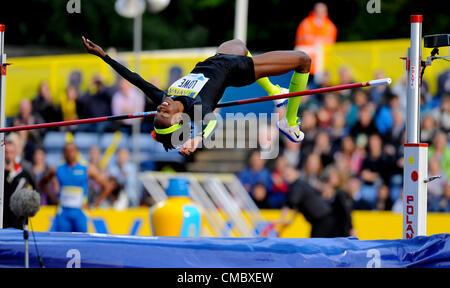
(98, 100)
(353, 139)
(354, 144)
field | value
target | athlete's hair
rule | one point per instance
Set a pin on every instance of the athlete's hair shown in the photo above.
(164, 139)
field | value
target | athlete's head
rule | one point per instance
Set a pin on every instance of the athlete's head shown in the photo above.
(167, 120)
(10, 152)
(70, 153)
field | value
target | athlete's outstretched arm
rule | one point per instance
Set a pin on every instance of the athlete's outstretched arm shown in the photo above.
(155, 94)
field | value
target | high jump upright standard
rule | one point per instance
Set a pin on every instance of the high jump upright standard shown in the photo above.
(2, 119)
(415, 171)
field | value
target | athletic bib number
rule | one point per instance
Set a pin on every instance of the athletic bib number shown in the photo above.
(71, 196)
(190, 85)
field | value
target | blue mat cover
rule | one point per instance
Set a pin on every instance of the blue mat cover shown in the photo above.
(86, 250)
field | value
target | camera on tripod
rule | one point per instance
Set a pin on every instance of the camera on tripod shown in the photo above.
(436, 41)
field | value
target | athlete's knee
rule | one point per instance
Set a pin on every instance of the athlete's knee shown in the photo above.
(234, 46)
(304, 62)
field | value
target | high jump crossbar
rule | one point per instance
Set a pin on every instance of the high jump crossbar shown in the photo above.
(378, 82)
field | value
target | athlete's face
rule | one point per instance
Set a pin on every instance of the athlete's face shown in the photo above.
(70, 153)
(166, 111)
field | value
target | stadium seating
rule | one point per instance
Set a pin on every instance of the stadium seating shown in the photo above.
(149, 150)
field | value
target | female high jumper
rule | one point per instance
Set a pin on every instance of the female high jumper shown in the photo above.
(205, 85)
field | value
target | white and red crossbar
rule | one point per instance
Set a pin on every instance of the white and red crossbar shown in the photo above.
(377, 82)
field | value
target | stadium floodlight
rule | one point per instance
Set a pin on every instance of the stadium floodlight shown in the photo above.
(130, 8)
(156, 6)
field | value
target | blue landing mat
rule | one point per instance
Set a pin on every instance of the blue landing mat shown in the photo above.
(101, 250)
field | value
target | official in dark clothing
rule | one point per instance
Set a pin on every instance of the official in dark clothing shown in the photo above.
(327, 218)
(15, 178)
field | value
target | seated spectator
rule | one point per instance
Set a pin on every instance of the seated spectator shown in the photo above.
(397, 207)
(26, 114)
(352, 108)
(125, 172)
(312, 171)
(40, 168)
(375, 169)
(69, 104)
(118, 198)
(127, 100)
(30, 144)
(441, 114)
(435, 188)
(383, 201)
(399, 88)
(309, 127)
(428, 128)
(292, 152)
(444, 204)
(353, 187)
(280, 187)
(266, 141)
(19, 152)
(95, 156)
(384, 117)
(322, 147)
(427, 106)
(28, 117)
(443, 84)
(96, 102)
(321, 82)
(326, 113)
(259, 196)
(44, 106)
(338, 130)
(94, 188)
(350, 154)
(393, 136)
(365, 125)
(345, 77)
(377, 94)
(441, 150)
(256, 172)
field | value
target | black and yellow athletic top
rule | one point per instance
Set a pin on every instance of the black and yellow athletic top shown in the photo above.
(203, 87)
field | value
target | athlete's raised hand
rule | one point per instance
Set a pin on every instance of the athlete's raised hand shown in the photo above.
(190, 146)
(93, 48)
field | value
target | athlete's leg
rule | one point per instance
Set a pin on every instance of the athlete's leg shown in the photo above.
(80, 221)
(280, 62)
(62, 222)
(237, 47)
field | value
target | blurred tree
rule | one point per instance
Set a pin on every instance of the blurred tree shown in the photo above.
(198, 23)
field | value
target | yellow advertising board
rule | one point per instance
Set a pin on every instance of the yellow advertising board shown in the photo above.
(363, 58)
(370, 225)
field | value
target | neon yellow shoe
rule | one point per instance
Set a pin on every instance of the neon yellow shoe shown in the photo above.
(292, 133)
(280, 90)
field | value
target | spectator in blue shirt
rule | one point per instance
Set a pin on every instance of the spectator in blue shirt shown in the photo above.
(255, 173)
